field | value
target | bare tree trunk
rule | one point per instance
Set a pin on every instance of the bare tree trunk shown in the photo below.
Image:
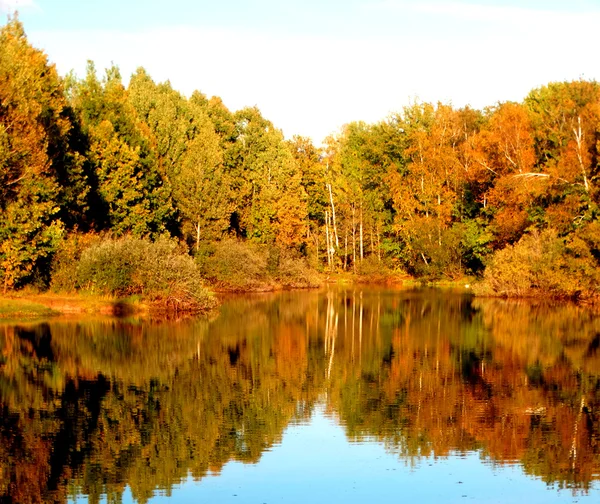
(317, 243)
(361, 235)
(327, 244)
(337, 242)
(579, 139)
(346, 250)
(353, 241)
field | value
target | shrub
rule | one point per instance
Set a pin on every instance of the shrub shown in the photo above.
(158, 271)
(510, 272)
(241, 266)
(66, 258)
(236, 265)
(372, 268)
(293, 270)
(543, 264)
(451, 252)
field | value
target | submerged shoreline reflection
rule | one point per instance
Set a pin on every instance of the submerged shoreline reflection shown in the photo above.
(93, 407)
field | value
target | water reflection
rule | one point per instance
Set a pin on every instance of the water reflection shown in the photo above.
(94, 407)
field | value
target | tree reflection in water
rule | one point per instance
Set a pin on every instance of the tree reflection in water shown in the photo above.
(92, 406)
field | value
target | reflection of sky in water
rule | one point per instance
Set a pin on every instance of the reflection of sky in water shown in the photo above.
(315, 464)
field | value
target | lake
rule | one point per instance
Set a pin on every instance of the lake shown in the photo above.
(349, 395)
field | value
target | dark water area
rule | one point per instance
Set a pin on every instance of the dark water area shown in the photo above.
(340, 395)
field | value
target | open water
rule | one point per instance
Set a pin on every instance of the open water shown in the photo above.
(345, 395)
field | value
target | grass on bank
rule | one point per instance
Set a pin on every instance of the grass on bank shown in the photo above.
(23, 308)
(30, 303)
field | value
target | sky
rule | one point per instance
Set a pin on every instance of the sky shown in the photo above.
(311, 66)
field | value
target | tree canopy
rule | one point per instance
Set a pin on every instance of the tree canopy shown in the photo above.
(432, 191)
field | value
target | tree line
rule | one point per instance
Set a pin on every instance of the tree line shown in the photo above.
(433, 191)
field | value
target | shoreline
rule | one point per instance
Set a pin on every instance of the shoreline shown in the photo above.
(42, 305)
(31, 306)
(35, 305)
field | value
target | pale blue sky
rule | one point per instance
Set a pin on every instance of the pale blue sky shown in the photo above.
(311, 66)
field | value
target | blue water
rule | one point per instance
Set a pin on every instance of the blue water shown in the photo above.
(315, 463)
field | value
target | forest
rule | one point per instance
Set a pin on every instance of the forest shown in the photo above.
(128, 189)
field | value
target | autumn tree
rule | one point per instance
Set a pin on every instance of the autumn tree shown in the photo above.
(271, 202)
(201, 188)
(136, 196)
(504, 170)
(35, 157)
(428, 189)
(361, 160)
(565, 118)
(188, 153)
(312, 171)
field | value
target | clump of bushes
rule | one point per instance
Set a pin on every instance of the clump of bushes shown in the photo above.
(235, 265)
(544, 264)
(448, 253)
(160, 272)
(292, 270)
(373, 270)
(63, 273)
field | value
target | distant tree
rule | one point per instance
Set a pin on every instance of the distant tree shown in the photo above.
(189, 155)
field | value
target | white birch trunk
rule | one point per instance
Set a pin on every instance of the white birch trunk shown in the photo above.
(337, 242)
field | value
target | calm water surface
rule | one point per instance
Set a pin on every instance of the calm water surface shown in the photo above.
(355, 395)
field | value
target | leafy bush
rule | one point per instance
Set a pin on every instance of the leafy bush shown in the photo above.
(236, 265)
(66, 258)
(293, 270)
(543, 264)
(437, 254)
(158, 271)
(372, 269)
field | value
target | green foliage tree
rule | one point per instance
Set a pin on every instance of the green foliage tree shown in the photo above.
(271, 200)
(34, 157)
(136, 196)
(189, 155)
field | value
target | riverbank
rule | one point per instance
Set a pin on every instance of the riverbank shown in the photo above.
(38, 305)
(31, 304)
(312, 280)
(23, 309)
